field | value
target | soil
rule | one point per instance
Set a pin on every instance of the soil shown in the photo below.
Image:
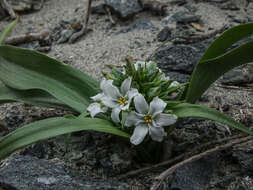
(101, 156)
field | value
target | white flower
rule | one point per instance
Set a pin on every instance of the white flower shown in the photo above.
(97, 106)
(174, 83)
(142, 64)
(118, 99)
(149, 119)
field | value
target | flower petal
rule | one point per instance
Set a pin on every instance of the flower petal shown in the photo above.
(98, 97)
(132, 93)
(141, 104)
(111, 91)
(104, 82)
(134, 118)
(165, 119)
(139, 134)
(96, 108)
(174, 83)
(157, 106)
(125, 86)
(109, 102)
(115, 115)
(141, 63)
(157, 133)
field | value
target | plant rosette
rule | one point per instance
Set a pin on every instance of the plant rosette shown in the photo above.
(138, 103)
(134, 101)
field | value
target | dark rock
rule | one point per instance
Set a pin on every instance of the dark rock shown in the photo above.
(245, 183)
(142, 24)
(40, 150)
(238, 76)
(185, 17)
(245, 159)
(180, 77)
(29, 173)
(65, 35)
(25, 5)
(124, 8)
(179, 59)
(178, 2)
(230, 5)
(14, 118)
(195, 175)
(163, 34)
(99, 9)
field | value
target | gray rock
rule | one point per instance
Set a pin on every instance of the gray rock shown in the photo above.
(99, 9)
(142, 24)
(29, 173)
(230, 5)
(181, 17)
(245, 183)
(124, 8)
(65, 35)
(238, 76)
(26, 5)
(164, 34)
(245, 159)
(180, 59)
(195, 175)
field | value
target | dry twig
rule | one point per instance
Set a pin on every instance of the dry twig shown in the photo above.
(165, 174)
(84, 29)
(7, 8)
(27, 38)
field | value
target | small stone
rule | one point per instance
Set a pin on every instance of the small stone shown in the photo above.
(99, 9)
(123, 8)
(142, 24)
(238, 76)
(164, 34)
(65, 35)
(230, 5)
(185, 17)
(14, 118)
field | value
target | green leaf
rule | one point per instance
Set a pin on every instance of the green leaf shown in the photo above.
(25, 69)
(227, 39)
(205, 73)
(214, 63)
(34, 97)
(7, 30)
(194, 110)
(52, 127)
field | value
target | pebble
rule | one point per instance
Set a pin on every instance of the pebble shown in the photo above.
(123, 8)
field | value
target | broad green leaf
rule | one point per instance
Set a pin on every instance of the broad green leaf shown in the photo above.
(205, 73)
(215, 50)
(227, 39)
(194, 110)
(25, 69)
(52, 127)
(34, 97)
(7, 30)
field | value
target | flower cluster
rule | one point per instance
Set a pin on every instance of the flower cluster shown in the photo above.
(135, 100)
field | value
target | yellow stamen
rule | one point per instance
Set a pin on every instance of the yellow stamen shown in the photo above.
(148, 118)
(122, 101)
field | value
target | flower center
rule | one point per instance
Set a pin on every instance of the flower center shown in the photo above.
(148, 118)
(122, 101)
